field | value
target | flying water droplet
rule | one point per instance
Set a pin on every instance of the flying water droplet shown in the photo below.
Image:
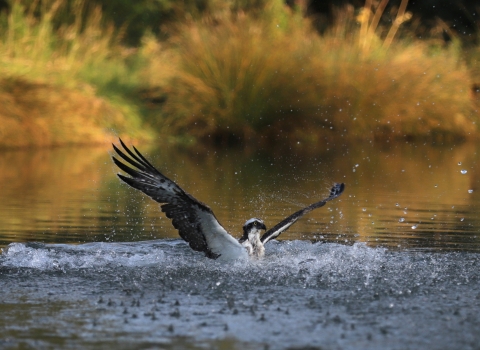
(470, 191)
(463, 171)
(414, 227)
(401, 220)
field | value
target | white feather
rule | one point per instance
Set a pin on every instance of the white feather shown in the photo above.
(249, 221)
(283, 228)
(218, 240)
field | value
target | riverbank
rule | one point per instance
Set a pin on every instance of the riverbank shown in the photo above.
(230, 78)
(41, 115)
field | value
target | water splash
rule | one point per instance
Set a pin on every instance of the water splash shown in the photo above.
(325, 295)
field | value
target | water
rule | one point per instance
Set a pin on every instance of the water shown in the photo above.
(148, 294)
(392, 264)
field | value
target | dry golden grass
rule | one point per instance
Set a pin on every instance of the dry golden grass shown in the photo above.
(408, 92)
(37, 114)
(249, 78)
(240, 77)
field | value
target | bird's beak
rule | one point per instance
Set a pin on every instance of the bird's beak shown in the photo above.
(263, 227)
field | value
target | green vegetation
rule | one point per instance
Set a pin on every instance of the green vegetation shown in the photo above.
(67, 85)
(245, 71)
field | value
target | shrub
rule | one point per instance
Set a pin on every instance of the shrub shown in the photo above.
(246, 77)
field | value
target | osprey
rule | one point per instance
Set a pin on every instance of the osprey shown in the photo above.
(195, 221)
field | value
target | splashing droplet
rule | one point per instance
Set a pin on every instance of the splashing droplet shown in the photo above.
(463, 171)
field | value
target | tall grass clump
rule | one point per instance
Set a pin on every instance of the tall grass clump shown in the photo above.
(242, 76)
(263, 76)
(381, 88)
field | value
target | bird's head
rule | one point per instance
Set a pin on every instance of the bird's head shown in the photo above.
(252, 227)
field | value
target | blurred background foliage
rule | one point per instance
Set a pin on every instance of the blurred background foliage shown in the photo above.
(232, 72)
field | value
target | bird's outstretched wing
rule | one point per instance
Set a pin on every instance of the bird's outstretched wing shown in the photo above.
(282, 226)
(193, 219)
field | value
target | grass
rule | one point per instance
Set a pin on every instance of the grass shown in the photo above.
(240, 77)
(64, 85)
(408, 91)
(246, 78)
(40, 114)
(240, 73)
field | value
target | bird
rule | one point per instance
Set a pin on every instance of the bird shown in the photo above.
(194, 220)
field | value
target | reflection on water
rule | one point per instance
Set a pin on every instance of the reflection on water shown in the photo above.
(378, 283)
(404, 196)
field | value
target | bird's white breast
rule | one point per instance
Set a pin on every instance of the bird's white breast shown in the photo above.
(219, 241)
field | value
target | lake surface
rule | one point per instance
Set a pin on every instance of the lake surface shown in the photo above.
(392, 264)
